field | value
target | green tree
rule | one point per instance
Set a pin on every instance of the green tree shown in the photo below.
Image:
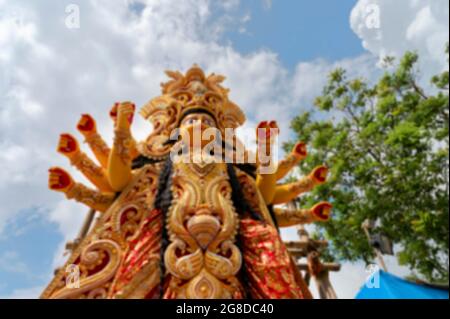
(387, 148)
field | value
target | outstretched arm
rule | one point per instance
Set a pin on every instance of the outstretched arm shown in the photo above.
(287, 192)
(69, 147)
(319, 213)
(297, 154)
(113, 113)
(119, 163)
(59, 180)
(88, 128)
(266, 178)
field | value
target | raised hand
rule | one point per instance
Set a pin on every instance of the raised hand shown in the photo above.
(125, 114)
(266, 133)
(124, 148)
(298, 153)
(68, 145)
(86, 125)
(319, 174)
(321, 211)
(88, 128)
(318, 213)
(300, 150)
(288, 192)
(59, 180)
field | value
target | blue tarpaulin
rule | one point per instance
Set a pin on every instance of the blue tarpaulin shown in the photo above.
(387, 286)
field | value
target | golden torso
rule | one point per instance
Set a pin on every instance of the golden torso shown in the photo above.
(202, 225)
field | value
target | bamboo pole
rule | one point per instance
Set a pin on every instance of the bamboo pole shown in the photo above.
(365, 226)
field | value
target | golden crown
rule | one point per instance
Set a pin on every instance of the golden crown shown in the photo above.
(184, 93)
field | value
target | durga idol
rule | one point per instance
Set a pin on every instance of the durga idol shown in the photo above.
(183, 229)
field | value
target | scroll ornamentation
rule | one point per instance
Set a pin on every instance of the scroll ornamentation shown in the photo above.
(98, 262)
(98, 256)
(202, 256)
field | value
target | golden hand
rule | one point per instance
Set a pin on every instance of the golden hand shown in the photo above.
(59, 180)
(68, 145)
(86, 125)
(125, 114)
(319, 175)
(300, 151)
(322, 211)
(266, 132)
(266, 179)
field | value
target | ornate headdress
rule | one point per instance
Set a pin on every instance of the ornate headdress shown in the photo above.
(184, 93)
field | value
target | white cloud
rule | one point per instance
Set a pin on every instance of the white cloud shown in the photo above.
(229, 4)
(420, 26)
(310, 77)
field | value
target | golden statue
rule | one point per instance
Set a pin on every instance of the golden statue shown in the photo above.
(183, 226)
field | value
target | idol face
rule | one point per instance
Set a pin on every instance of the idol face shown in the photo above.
(199, 132)
(201, 119)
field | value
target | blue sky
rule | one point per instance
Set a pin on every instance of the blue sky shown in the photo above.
(27, 245)
(299, 30)
(276, 55)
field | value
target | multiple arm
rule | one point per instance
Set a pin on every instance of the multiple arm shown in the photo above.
(275, 194)
(114, 172)
(266, 178)
(318, 213)
(119, 162)
(59, 180)
(87, 127)
(69, 147)
(297, 154)
(288, 192)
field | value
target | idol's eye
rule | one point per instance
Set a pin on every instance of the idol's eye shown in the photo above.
(208, 122)
(190, 121)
